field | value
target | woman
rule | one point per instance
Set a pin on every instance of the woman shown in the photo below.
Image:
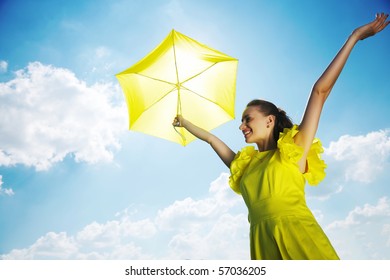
(271, 179)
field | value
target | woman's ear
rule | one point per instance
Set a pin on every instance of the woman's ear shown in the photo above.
(271, 119)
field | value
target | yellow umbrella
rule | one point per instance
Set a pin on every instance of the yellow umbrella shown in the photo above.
(179, 77)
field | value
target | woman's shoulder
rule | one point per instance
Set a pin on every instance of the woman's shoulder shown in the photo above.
(291, 152)
(238, 166)
(286, 144)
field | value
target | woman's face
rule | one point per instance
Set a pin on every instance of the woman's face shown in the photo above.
(254, 125)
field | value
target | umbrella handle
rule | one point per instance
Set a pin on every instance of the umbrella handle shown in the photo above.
(181, 135)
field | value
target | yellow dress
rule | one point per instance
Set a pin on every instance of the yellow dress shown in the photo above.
(281, 224)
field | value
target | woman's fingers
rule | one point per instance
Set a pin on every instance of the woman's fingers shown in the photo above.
(380, 22)
(176, 122)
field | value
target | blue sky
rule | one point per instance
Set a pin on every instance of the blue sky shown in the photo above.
(76, 184)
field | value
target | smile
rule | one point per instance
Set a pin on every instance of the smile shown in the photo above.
(247, 133)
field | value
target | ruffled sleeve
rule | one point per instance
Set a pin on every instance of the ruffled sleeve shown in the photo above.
(291, 152)
(238, 166)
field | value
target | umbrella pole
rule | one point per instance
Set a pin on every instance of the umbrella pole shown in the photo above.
(178, 109)
(178, 113)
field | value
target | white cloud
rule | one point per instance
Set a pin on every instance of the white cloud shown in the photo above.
(61, 246)
(111, 232)
(365, 156)
(3, 66)
(47, 113)
(360, 214)
(5, 191)
(214, 227)
(364, 233)
(208, 228)
(50, 246)
(225, 238)
(202, 231)
(111, 240)
(219, 201)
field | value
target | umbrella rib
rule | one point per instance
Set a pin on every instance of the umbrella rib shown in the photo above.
(200, 73)
(162, 97)
(178, 109)
(159, 80)
(201, 96)
(210, 100)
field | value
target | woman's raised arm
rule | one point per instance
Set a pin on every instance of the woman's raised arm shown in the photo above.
(324, 85)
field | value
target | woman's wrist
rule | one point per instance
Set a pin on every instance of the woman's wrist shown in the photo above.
(183, 122)
(355, 37)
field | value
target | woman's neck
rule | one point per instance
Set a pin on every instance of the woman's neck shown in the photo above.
(266, 145)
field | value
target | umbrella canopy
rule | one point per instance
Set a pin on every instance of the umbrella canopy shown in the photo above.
(179, 77)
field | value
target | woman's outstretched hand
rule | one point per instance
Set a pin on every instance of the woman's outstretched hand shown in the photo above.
(178, 121)
(370, 29)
